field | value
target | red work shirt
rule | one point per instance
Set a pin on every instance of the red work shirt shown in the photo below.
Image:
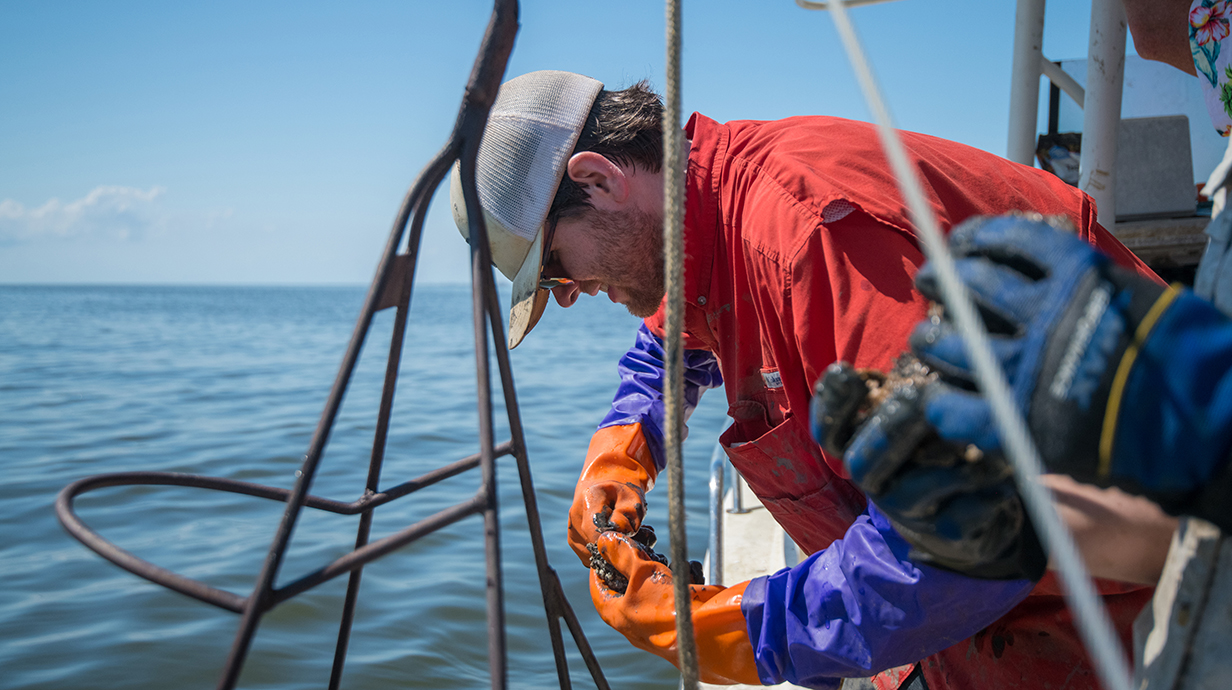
(799, 253)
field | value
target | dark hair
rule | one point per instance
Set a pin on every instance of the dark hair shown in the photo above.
(625, 127)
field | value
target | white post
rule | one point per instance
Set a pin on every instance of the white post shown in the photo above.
(1101, 116)
(1025, 80)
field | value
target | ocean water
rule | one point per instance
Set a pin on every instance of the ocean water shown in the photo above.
(230, 381)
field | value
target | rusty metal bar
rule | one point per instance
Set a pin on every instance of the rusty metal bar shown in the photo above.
(381, 547)
(235, 486)
(482, 284)
(173, 581)
(554, 601)
(193, 588)
(579, 637)
(401, 282)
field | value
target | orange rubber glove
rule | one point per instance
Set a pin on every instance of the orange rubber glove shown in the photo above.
(611, 493)
(645, 613)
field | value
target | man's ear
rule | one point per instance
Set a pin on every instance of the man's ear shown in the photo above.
(602, 179)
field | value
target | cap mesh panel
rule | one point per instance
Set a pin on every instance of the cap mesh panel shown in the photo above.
(533, 127)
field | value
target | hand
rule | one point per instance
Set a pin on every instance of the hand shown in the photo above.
(1121, 381)
(941, 480)
(1066, 325)
(611, 492)
(644, 612)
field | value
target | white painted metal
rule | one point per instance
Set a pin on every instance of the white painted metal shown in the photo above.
(1025, 80)
(1102, 110)
(1155, 89)
(1063, 81)
(714, 566)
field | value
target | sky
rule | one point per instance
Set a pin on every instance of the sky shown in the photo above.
(272, 142)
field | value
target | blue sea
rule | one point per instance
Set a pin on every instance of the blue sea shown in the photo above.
(230, 381)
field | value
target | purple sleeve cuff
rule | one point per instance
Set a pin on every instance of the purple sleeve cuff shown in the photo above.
(859, 607)
(639, 399)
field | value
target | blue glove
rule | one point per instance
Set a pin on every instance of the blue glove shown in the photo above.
(943, 482)
(1121, 381)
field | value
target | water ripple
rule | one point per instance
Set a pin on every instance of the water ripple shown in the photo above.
(231, 382)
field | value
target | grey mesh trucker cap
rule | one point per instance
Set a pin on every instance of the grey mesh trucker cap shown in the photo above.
(531, 131)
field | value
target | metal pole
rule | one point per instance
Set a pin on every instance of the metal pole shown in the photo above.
(1025, 79)
(1101, 116)
(737, 493)
(718, 462)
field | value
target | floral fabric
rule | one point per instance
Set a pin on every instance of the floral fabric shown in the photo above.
(1212, 55)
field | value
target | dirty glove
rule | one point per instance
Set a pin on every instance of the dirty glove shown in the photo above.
(942, 481)
(1121, 381)
(611, 492)
(645, 611)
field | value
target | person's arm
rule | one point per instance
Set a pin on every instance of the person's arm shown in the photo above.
(1123, 383)
(1119, 536)
(639, 399)
(1194, 37)
(626, 452)
(862, 605)
(1161, 31)
(856, 608)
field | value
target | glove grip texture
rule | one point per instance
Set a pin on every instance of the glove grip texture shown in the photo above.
(646, 615)
(1076, 383)
(611, 491)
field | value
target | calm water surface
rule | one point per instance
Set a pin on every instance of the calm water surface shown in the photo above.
(230, 382)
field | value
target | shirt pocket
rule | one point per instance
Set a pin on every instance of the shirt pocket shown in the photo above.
(772, 397)
(784, 467)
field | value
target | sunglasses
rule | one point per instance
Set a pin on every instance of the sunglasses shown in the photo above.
(549, 234)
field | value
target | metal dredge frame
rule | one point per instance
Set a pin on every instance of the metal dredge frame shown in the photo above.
(391, 287)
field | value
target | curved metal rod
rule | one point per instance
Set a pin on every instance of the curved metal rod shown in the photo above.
(230, 601)
(126, 560)
(370, 552)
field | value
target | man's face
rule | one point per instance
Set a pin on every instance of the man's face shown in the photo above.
(617, 252)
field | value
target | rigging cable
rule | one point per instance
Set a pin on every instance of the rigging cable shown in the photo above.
(673, 389)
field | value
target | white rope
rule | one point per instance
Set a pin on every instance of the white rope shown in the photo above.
(1092, 617)
(673, 388)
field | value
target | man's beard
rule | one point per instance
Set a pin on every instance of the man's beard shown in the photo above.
(630, 247)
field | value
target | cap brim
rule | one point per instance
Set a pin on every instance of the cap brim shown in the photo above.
(529, 300)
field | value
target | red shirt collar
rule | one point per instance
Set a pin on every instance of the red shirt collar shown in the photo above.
(701, 221)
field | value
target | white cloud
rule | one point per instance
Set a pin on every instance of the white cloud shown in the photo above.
(119, 213)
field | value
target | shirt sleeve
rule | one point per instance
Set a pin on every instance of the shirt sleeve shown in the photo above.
(639, 399)
(1211, 47)
(860, 606)
(1179, 402)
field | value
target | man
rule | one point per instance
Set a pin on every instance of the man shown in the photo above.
(798, 254)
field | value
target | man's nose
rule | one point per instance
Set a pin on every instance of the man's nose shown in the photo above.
(566, 294)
